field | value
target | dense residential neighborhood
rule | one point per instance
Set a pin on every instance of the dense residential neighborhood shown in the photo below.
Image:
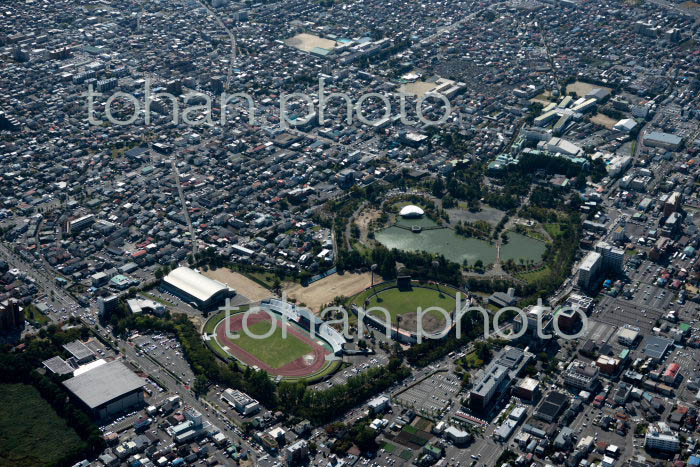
(358, 232)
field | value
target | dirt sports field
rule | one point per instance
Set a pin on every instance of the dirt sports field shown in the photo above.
(302, 366)
(240, 283)
(324, 291)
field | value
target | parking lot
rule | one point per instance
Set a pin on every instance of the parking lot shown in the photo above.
(166, 351)
(359, 365)
(619, 312)
(431, 396)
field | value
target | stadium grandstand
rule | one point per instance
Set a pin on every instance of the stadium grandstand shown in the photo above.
(307, 320)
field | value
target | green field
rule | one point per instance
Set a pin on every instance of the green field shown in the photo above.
(532, 277)
(31, 433)
(398, 302)
(275, 351)
(388, 447)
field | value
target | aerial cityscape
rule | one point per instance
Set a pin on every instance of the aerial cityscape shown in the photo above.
(350, 233)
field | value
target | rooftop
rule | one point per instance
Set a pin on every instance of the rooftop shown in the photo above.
(193, 283)
(104, 384)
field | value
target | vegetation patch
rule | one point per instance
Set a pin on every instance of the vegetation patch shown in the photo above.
(390, 448)
(31, 432)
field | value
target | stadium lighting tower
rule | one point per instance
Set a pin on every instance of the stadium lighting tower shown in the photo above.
(436, 265)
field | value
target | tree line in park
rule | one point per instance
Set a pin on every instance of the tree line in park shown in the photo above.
(417, 264)
(22, 367)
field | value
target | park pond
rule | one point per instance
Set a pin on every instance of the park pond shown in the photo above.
(457, 248)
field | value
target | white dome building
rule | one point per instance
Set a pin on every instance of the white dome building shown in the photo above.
(411, 211)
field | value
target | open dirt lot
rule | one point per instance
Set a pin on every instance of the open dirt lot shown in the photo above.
(324, 291)
(306, 42)
(419, 88)
(240, 283)
(581, 88)
(604, 120)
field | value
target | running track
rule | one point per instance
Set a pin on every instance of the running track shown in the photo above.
(298, 368)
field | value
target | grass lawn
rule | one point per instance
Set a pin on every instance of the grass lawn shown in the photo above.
(406, 454)
(532, 277)
(31, 433)
(34, 316)
(275, 351)
(554, 230)
(398, 302)
(266, 279)
(359, 299)
(390, 448)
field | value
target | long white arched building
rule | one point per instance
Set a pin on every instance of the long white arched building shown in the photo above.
(196, 289)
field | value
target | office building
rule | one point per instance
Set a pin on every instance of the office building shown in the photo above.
(242, 402)
(627, 335)
(76, 225)
(378, 404)
(107, 305)
(581, 375)
(497, 376)
(296, 453)
(672, 203)
(527, 390)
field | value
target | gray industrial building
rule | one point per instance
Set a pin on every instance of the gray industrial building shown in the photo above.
(107, 389)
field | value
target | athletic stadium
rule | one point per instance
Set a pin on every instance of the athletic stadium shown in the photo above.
(306, 352)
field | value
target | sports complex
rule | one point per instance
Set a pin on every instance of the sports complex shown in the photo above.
(299, 347)
(401, 298)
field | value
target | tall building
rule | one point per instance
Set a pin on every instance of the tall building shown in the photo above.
(11, 315)
(105, 306)
(589, 268)
(672, 203)
(613, 258)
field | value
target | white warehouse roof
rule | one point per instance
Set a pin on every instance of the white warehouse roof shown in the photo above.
(193, 283)
(411, 211)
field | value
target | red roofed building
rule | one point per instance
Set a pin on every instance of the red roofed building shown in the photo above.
(672, 373)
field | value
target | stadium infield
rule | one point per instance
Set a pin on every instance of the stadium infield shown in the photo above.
(296, 356)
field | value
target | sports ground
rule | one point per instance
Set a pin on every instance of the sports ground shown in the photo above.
(404, 304)
(293, 356)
